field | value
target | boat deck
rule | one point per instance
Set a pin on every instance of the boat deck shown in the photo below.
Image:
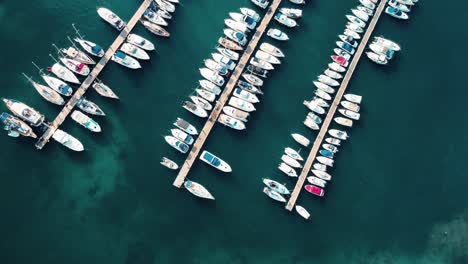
(344, 84)
(231, 84)
(44, 139)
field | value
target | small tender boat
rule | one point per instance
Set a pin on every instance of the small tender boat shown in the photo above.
(354, 27)
(398, 5)
(236, 113)
(198, 190)
(251, 23)
(257, 71)
(58, 85)
(86, 121)
(236, 36)
(267, 57)
(140, 42)
(333, 141)
(316, 181)
(320, 167)
(134, 51)
(185, 126)
(249, 87)
(236, 25)
(104, 90)
(397, 13)
(251, 13)
(228, 44)
(63, 73)
(291, 162)
(346, 47)
(314, 107)
(125, 60)
(89, 107)
(301, 139)
(277, 34)
(325, 160)
(246, 96)
(337, 134)
(324, 87)
(343, 121)
(182, 136)
(252, 79)
(326, 153)
(322, 94)
(15, 126)
(169, 7)
(228, 53)
(360, 14)
(353, 98)
(322, 175)
(209, 96)
(261, 3)
(327, 80)
(215, 162)
(226, 61)
(24, 112)
(340, 60)
(195, 109)
(349, 40)
(315, 118)
(284, 20)
(153, 17)
(67, 140)
(210, 87)
(293, 154)
(330, 147)
(288, 170)
(274, 195)
(351, 33)
(301, 210)
(387, 43)
(350, 106)
(214, 66)
(201, 102)
(231, 122)
(177, 144)
(276, 186)
(212, 76)
(90, 47)
(367, 3)
(291, 12)
(333, 74)
(169, 163)
(155, 29)
(111, 18)
(350, 114)
(269, 48)
(47, 93)
(262, 64)
(76, 66)
(356, 21)
(78, 55)
(336, 67)
(241, 104)
(315, 190)
(310, 123)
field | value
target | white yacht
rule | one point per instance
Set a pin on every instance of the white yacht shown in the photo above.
(241, 104)
(288, 170)
(111, 18)
(301, 139)
(140, 42)
(134, 51)
(125, 60)
(269, 48)
(67, 140)
(231, 122)
(215, 161)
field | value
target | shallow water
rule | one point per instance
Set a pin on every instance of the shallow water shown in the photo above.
(398, 183)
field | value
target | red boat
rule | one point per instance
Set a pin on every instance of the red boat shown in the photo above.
(314, 190)
(340, 60)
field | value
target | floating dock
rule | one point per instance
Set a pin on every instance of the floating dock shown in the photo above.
(336, 102)
(92, 76)
(231, 84)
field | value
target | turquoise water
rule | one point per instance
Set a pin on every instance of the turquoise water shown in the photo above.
(399, 183)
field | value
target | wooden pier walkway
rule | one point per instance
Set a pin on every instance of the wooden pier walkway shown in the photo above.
(336, 102)
(231, 84)
(92, 76)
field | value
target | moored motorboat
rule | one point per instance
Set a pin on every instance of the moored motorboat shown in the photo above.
(320, 102)
(360, 14)
(351, 33)
(343, 121)
(262, 64)
(168, 163)
(223, 60)
(249, 87)
(293, 153)
(228, 53)
(267, 57)
(47, 93)
(366, 10)
(333, 74)
(236, 25)
(340, 60)
(195, 109)
(322, 175)
(269, 48)
(398, 5)
(111, 18)
(325, 160)
(349, 113)
(90, 47)
(58, 85)
(169, 7)
(277, 34)
(301, 210)
(310, 123)
(63, 73)
(236, 36)
(336, 67)
(182, 136)
(350, 40)
(290, 161)
(209, 96)
(125, 60)
(241, 104)
(251, 13)
(314, 107)
(315, 118)
(274, 195)
(257, 71)
(367, 3)
(201, 102)
(380, 49)
(353, 98)
(261, 3)
(198, 190)
(104, 90)
(322, 94)
(291, 12)
(78, 55)
(249, 21)
(288, 170)
(315, 190)
(333, 141)
(210, 87)
(301, 139)
(252, 79)
(214, 66)
(154, 18)
(327, 80)
(214, 161)
(140, 42)
(343, 53)
(185, 126)
(134, 51)
(330, 147)
(212, 76)
(276, 186)
(231, 122)
(387, 43)
(24, 112)
(356, 21)
(229, 44)
(320, 167)
(155, 29)
(67, 140)
(76, 66)
(284, 20)
(354, 27)
(177, 144)
(85, 121)
(350, 106)
(397, 13)
(15, 126)
(317, 181)
(89, 107)
(345, 47)
(236, 113)
(246, 96)
(337, 134)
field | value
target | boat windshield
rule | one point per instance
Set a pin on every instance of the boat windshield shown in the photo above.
(212, 159)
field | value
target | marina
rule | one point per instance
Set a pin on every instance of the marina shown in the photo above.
(331, 112)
